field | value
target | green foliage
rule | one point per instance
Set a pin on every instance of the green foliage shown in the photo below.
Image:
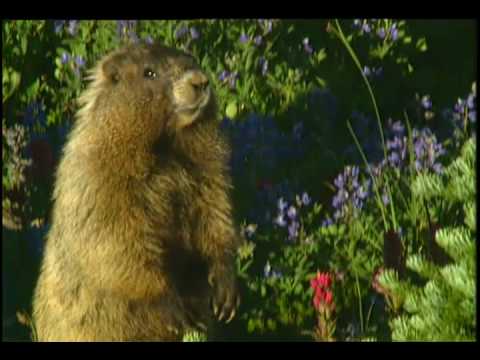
(194, 336)
(444, 308)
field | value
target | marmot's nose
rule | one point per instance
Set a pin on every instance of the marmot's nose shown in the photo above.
(199, 81)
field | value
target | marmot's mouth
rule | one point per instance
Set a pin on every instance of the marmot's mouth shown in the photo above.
(187, 114)
(197, 105)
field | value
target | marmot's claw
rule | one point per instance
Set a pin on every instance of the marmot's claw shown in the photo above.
(232, 315)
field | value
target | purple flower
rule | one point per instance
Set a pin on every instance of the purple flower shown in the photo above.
(264, 65)
(181, 32)
(472, 116)
(362, 191)
(224, 75)
(366, 28)
(65, 58)
(306, 45)
(339, 181)
(121, 27)
(79, 61)
(258, 40)
(327, 222)
(194, 33)
(397, 128)
(471, 101)
(381, 33)
(233, 80)
(394, 33)
(149, 40)
(282, 204)
(58, 25)
(292, 212)
(426, 102)
(306, 199)
(72, 27)
(385, 199)
(243, 38)
(280, 220)
(293, 230)
(366, 71)
(438, 168)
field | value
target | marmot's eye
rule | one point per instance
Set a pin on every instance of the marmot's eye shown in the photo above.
(149, 74)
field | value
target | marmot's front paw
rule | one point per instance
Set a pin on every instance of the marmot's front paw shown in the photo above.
(178, 319)
(225, 298)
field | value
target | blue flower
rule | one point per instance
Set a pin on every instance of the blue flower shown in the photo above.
(263, 64)
(382, 33)
(366, 28)
(306, 199)
(258, 40)
(292, 212)
(280, 220)
(149, 40)
(339, 181)
(327, 222)
(385, 199)
(282, 204)
(72, 27)
(426, 102)
(224, 75)
(394, 32)
(65, 58)
(181, 32)
(243, 38)
(233, 80)
(79, 61)
(293, 230)
(306, 45)
(472, 116)
(194, 33)
(58, 25)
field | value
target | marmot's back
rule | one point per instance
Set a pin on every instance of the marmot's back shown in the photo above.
(142, 237)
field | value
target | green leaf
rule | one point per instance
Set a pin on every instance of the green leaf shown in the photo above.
(23, 44)
(422, 44)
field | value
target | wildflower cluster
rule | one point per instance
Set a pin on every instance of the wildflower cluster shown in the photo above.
(126, 30)
(426, 148)
(288, 215)
(464, 111)
(383, 29)
(70, 26)
(351, 194)
(75, 62)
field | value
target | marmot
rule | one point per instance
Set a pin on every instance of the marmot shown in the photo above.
(142, 242)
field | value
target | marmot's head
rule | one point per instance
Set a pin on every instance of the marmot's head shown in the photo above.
(143, 91)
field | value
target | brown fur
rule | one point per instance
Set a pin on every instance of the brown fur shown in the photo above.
(142, 235)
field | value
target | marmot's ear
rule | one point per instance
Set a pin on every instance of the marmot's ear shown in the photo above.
(111, 71)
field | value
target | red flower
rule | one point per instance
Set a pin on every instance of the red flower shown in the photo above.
(321, 280)
(323, 296)
(328, 297)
